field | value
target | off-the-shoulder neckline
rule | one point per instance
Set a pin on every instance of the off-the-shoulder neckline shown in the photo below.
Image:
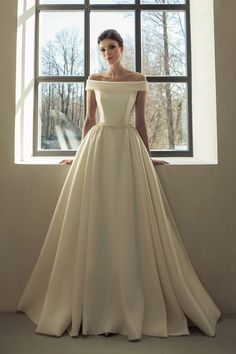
(118, 82)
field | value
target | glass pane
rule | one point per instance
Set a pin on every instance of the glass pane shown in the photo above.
(61, 115)
(123, 22)
(167, 116)
(163, 43)
(61, 43)
(65, 2)
(170, 2)
(106, 2)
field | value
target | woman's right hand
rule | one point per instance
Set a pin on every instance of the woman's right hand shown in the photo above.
(159, 162)
(65, 162)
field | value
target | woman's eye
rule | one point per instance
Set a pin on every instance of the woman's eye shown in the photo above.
(102, 50)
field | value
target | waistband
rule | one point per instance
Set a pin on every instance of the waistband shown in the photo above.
(119, 126)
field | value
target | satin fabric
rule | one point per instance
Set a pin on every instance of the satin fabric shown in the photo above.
(113, 259)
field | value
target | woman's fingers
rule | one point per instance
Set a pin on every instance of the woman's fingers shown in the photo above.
(160, 162)
(65, 162)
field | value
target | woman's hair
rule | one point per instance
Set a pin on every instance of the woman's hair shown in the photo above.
(111, 34)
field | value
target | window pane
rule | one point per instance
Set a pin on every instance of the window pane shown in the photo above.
(66, 2)
(170, 2)
(106, 2)
(123, 22)
(61, 109)
(167, 116)
(163, 43)
(61, 43)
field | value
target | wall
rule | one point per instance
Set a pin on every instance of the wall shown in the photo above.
(203, 198)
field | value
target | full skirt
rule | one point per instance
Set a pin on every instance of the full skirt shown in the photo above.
(113, 259)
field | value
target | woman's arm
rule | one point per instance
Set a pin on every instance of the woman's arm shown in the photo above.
(90, 118)
(89, 121)
(140, 124)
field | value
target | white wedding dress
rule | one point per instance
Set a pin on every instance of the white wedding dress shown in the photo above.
(113, 259)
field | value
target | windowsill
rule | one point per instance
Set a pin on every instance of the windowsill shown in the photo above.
(186, 161)
(43, 160)
(55, 160)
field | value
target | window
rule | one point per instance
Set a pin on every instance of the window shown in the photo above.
(156, 36)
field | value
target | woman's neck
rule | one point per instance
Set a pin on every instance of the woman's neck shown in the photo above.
(115, 71)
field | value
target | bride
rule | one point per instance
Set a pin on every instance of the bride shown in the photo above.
(113, 260)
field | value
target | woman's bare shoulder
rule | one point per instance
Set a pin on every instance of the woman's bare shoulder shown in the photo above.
(136, 76)
(95, 76)
(128, 76)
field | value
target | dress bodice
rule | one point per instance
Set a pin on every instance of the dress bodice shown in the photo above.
(115, 100)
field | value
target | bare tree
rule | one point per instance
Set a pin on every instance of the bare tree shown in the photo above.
(165, 57)
(62, 102)
(169, 109)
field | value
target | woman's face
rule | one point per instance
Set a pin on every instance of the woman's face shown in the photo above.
(110, 50)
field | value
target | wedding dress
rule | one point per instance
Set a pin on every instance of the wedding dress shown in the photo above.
(113, 259)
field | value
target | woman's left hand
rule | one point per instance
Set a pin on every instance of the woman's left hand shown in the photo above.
(66, 162)
(159, 162)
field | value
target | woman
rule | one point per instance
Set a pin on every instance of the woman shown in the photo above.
(113, 260)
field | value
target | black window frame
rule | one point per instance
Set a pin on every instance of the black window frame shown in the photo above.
(137, 7)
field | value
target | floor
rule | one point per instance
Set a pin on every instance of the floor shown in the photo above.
(17, 337)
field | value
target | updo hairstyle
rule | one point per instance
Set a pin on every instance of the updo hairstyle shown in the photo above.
(111, 34)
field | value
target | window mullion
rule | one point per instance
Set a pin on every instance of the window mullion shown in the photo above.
(189, 74)
(36, 83)
(86, 39)
(138, 37)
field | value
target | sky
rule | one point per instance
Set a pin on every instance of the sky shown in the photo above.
(51, 23)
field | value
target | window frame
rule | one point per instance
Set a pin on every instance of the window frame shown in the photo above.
(137, 7)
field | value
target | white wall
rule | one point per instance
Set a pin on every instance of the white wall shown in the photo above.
(203, 198)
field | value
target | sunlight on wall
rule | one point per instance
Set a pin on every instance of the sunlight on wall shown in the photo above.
(24, 80)
(203, 81)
